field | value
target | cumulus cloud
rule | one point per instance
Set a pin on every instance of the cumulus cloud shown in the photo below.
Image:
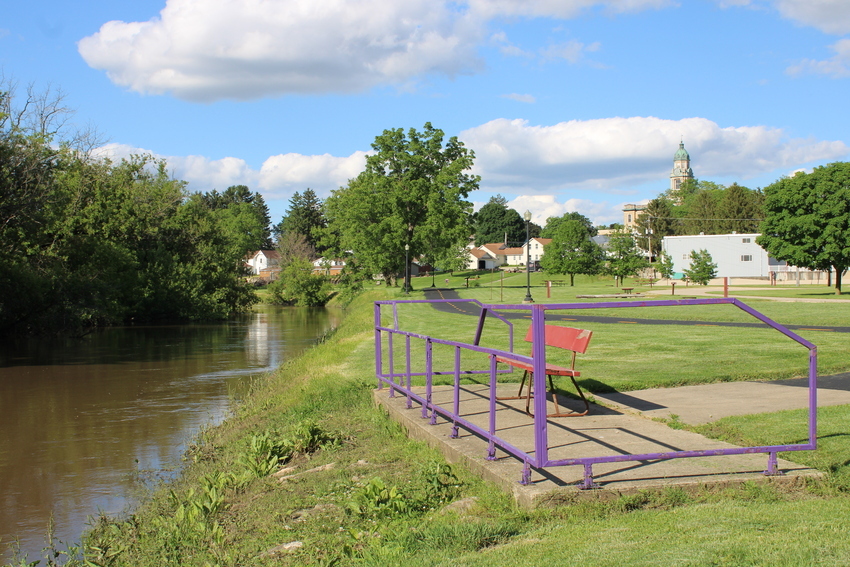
(612, 154)
(207, 50)
(278, 178)
(286, 173)
(837, 67)
(829, 16)
(559, 8)
(204, 50)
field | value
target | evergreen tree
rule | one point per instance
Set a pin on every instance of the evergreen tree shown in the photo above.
(496, 222)
(702, 269)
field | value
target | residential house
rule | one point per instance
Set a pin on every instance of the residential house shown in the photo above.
(264, 263)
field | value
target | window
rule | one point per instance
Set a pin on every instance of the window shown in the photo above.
(746, 258)
(686, 256)
(745, 240)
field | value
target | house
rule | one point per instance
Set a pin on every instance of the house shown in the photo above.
(480, 259)
(328, 266)
(533, 249)
(264, 263)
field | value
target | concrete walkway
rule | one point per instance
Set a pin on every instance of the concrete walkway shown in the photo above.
(622, 426)
(622, 423)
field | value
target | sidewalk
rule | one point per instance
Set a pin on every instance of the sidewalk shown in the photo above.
(623, 428)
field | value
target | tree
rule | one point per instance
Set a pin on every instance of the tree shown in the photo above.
(654, 224)
(624, 257)
(552, 224)
(244, 214)
(665, 266)
(807, 219)
(413, 192)
(740, 209)
(702, 269)
(572, 251)
(304, 216)
(496, 222)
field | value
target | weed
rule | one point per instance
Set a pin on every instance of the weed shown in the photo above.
(377, 500)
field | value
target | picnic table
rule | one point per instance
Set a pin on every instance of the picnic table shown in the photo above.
(628, 290)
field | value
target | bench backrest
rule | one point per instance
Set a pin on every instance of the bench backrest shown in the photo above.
(568, 338)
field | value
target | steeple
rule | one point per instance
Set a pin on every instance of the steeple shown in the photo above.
(681, 167)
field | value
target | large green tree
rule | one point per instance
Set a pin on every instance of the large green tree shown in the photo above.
(625, 259)
(807, 219)
(412, 193)
(740, 209)
(244, 214)
(496, 222)
(654, 224)
(572, 251)
(552, 224)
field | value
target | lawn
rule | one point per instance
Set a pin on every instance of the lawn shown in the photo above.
(371, 496)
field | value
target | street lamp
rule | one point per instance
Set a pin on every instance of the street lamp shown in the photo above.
(406, 270)
(528, 299)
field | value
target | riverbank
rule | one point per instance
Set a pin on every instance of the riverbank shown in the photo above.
(349, 488)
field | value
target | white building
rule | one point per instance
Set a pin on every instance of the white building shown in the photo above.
(736, 255)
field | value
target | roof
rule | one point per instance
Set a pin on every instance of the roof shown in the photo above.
(681, 153)
(273, 254)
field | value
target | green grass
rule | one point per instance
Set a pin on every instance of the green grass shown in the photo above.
(382, 500)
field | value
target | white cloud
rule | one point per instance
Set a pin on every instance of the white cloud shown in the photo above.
(560, 8)
(204, 50)
(286, 173)
(573, 51)
(612, 154)
(527, 98)
(278, 178)
(207, 50)
(543, 207)
(829, 16)
(592, 166)
(838, 66)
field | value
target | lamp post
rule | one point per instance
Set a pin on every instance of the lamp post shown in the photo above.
(528, 299)
(406, 270)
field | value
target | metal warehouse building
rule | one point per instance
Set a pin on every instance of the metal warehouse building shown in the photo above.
(736, 255)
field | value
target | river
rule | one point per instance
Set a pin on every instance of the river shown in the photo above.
(85, 421)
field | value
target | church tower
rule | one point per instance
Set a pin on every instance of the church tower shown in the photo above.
(681, 168)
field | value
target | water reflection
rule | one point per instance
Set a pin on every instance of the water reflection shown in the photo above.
(81, 417)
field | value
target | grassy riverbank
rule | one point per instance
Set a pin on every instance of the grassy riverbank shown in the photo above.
(353, 490)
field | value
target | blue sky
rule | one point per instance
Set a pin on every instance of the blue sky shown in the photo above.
(569, 105)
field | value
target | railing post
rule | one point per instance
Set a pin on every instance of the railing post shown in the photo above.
(428, 377)
(456, 393)
(407, 345)
(491, 447)
(538, 354)
(379, 356)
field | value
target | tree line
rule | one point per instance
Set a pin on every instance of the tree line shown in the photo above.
(87, 241)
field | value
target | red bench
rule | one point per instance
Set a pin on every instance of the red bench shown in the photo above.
(568, 338)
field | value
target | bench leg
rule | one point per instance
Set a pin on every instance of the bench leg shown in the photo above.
(558, 412)
(519, 395)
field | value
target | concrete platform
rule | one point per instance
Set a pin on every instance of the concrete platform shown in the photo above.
(605, 431)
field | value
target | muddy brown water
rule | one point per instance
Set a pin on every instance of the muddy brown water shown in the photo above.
(84, 422)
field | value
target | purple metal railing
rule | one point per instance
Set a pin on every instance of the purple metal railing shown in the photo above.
(540, 457)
